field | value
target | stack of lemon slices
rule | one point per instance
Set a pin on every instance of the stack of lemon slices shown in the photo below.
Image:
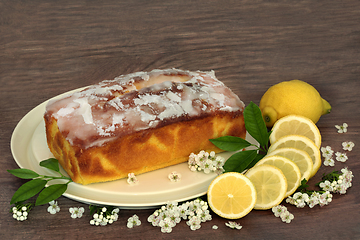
(294, 155)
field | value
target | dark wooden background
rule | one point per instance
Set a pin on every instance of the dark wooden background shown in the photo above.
(50, 47)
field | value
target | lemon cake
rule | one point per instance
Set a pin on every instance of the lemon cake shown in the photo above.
(140, 122)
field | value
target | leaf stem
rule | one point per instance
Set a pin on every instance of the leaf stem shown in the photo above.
(54, 178)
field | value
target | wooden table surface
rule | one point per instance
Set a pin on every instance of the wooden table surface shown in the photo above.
(48, 48)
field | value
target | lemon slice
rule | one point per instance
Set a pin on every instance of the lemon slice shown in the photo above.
(270, 184)
(302, 143)
(299, 157)
(289, 169)
(295, 125)
(231, 195)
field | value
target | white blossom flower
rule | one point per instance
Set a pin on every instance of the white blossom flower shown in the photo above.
(286, 217)
(132, 179)
(347, 174)
(290, 200)
(154, 220)
(184, 211)
(194, 223)
(327, 152)
(205, 216)
(300, 199)
(329, 162)
(215, 227)
(342, 128)
(53, 208)
(326, 186)
(76, 212)
(133, 221)
(314, 199)
(278, 210)
(166, 225)
(207, 162)
(174, 216)
(325, 198)
(348, 146)
(174, 176)
(233, 225)
(341, 157)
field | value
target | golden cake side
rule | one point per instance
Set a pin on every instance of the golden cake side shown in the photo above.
(141, 152)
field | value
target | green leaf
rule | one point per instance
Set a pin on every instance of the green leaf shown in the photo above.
(303, 186)
(255, 125)
(257, 158)
(230, 143)
(28, 190)
(51, 163)
(93, 209)
(240, 161)
(50, 193)
(23, 173)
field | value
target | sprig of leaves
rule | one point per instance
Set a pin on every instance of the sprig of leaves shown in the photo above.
(38, 184)
(332, 176)
(255, 126)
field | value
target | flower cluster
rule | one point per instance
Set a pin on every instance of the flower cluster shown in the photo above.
(333, 182)
(336, 182)
(342, 128)
(133, 221)
(327, 153)
(282, 212)
(168, 216)
(206, 162)
(21, 211)
(300, 199)
(76, 212)
(174, 176)
(104, 216)
(233, 225)
(53, 208)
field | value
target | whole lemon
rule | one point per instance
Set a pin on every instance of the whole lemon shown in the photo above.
(292, 97)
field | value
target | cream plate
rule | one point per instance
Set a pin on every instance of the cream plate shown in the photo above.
(29, 148)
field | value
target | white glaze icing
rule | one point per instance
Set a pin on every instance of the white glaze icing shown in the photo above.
(139, 101)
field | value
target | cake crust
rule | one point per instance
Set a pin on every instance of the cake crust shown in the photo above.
(106, 157)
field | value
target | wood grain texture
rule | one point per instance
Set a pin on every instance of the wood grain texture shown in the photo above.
(47, 48)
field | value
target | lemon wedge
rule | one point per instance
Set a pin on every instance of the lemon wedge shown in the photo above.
(270, 184)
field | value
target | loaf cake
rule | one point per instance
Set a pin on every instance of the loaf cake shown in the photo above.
(140, 122)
